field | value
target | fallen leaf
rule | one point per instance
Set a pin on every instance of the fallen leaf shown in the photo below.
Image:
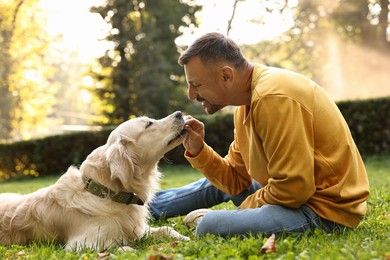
(20, 254)
(163, 247)
(269, 246)
(388, 216)
(160, 257)
(174, 244)
(103, 256)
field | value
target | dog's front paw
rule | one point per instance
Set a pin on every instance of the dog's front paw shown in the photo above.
(184, 238)
(167, 232)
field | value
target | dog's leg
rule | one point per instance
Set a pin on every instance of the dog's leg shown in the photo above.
(166, 231)
(84, 242)
(76, 244)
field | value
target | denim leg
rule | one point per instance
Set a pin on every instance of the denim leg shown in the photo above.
(197, 195)
(266, 220)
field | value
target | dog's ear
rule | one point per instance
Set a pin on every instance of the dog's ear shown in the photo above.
(122, 162)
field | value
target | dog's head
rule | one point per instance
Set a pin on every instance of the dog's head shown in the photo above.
(134, 149)
(149, 137)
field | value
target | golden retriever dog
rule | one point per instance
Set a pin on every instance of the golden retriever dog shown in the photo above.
(104, 202)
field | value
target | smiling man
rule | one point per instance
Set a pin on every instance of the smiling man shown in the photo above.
(293, 165)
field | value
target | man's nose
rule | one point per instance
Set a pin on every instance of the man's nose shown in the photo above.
(191, 93)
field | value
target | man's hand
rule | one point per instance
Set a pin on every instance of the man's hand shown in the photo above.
(193, 142)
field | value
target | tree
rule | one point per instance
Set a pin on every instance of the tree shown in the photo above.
(26, 94)
(329, 41)
(140, 75)
(301, 47)
(364, 21)
(293, 49)
(8, 17)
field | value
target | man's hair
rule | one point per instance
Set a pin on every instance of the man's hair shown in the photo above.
(213, 48)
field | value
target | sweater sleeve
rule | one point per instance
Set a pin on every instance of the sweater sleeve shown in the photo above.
(228, 174)
(285, 129)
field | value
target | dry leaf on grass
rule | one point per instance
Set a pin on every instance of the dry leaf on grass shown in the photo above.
(160, 257)
(269, 246)
(163, 247)
(20, 254)
(103, 256)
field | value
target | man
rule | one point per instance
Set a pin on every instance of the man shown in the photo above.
(293, 165)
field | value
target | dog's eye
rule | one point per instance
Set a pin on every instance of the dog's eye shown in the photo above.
(148, 124)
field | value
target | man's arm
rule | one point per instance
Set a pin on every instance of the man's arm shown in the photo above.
(228, 174)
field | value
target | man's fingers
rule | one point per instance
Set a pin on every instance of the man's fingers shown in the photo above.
(193, 124)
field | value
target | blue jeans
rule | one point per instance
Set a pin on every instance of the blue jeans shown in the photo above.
(266, 220)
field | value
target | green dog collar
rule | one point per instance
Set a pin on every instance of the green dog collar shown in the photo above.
(104, 192)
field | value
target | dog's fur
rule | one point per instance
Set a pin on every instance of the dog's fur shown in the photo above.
(69, 214)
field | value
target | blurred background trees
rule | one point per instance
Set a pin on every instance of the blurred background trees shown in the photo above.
(140, 76)
(26, 91)
(343, 45)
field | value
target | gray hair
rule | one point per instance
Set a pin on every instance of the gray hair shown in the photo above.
(213, 48)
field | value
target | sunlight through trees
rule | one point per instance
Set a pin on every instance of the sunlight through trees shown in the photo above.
(343, 45)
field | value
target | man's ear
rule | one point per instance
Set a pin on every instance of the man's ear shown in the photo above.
(228, 75)
(122, 162)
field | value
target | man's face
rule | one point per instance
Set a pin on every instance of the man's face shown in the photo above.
(205, 84)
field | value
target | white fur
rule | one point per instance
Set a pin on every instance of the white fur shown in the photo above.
(67, 213)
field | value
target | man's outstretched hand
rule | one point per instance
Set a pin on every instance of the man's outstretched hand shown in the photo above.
(194, 140)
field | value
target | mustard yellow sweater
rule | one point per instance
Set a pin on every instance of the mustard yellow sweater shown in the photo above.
(294, 141)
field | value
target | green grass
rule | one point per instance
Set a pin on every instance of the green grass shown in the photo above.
(371, 240)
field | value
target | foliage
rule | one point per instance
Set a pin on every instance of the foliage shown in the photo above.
(140, 75)
(364, 21)
(47, 156)
(26, 97)
(369, 121)
(305, 46)
(7, 25)
(369, 241)
(293, 49)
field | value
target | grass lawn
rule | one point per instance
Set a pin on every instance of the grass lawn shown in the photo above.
(371, 240)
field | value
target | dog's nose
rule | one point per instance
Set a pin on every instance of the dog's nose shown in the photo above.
(178, 114)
